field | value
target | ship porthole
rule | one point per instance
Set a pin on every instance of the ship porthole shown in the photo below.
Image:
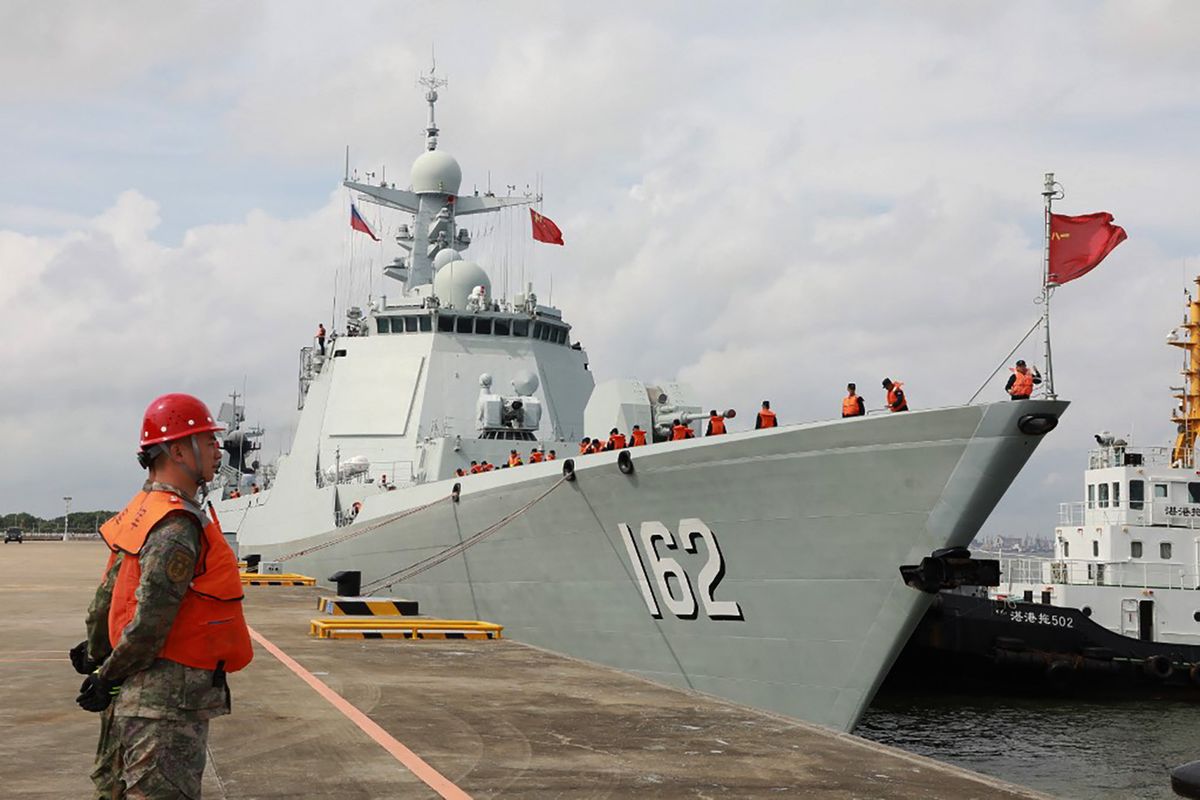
(569, 469)
(1087, 611)
(625, 462)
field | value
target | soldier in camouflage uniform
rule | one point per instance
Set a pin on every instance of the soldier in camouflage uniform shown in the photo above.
(154, 740)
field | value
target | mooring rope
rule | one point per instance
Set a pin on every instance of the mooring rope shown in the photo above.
(416, 568)
(379, 523)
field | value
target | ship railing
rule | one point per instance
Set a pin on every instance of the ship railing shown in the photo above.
(1077, 572)
(1114, 456)
(1117, 513)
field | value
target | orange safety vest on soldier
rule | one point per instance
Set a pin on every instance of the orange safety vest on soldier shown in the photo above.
(716, 425)
(639, 437)
(209, 630)
(514, 460)
(536, 457)
(766, 418)
(616, 441)
(680, 432)
(891, 397)
(852, 406)
(1022, 383)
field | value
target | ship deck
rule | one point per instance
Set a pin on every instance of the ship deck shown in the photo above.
(438, 718)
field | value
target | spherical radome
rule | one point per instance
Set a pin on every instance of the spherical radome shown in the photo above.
(445, 256)
(454, 281)
(525, 382)
(436, 171)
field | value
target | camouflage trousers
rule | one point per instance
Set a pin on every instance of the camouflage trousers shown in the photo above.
(104, 776)
(158, 759)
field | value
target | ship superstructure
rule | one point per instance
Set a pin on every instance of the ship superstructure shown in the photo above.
(759, 566)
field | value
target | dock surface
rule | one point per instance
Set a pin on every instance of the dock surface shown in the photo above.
(492, 718)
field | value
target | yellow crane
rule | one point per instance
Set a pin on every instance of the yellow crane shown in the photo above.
(1187, 416)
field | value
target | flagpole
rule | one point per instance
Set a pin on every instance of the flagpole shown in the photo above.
(1050, 192)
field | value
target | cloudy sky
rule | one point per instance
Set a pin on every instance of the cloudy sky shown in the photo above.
(765, 200)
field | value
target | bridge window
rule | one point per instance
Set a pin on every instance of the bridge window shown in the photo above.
(561, 335)
(1160, 491)
(383, 325)
(1095, 548)
(1116, 494)
(483, 326)
(1137, 495)
(520, 327)
(1164, 551)
(1091, 495)
(426, 324)
(1194, 492)
(1135, 549)
(1102, 493)
(502, 327)
(410, 324)
(465, 325)
(539, 330)
(445, 324)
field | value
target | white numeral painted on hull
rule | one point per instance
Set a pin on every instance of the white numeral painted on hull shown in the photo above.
(674, 585)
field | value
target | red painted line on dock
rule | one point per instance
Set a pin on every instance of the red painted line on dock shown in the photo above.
(411, 761)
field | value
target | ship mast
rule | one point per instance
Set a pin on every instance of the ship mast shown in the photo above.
(1187, 418)
(1051, 191)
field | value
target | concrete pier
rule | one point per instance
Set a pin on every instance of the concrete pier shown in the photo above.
(491, 718)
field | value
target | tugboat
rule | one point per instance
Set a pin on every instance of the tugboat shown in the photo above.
(758, 566)
(1117, 606)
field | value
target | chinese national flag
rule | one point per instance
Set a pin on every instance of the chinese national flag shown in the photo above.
(544, 229)
(1077, 244)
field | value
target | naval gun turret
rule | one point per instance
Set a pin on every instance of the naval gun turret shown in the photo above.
(625, 402)
(516, 416)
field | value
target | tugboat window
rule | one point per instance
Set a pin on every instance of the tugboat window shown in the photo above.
(1103, 494)
(1137, 495)
(502, 327)
(446, 324)
(520, 327)
(382, 326)
(1194, 492)
(410, 324)
(1066, 549)
(426, 324)
(1164, 550)
(1091, 495)
(1135, 549)
(1160, 491)
(1116, 494)
(1095, 548)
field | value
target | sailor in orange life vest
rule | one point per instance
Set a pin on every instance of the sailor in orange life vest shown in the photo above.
(166, 623)
(716, 424)
(766, 417)
(1020, 383)
(637, 436)
(852, 403)
(896, 399)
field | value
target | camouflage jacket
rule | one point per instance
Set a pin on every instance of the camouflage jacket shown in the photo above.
(98, 644)
(154, 687)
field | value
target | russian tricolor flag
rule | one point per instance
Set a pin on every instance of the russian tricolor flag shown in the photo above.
(360, 224)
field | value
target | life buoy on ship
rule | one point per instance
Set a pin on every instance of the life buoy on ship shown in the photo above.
(1159, 667)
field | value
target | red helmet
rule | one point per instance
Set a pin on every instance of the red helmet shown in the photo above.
(174, 416)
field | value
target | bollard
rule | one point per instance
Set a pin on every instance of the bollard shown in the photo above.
(349, 582)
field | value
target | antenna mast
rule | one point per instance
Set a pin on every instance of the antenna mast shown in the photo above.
(432, 83)
(1051, 191)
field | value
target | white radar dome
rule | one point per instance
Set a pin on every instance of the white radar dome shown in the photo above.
(525, 382)
(454, 281)
(435, 171)
(445, 256)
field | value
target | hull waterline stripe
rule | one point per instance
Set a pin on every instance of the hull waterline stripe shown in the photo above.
(411, 761)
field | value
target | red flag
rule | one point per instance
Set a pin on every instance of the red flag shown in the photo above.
(1077, 244)
(544, 229)
(360, 224)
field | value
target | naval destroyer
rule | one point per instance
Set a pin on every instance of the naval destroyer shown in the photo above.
(758, 566)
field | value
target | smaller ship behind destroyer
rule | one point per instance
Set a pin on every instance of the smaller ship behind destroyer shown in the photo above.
(1117, 607)
(758, 566)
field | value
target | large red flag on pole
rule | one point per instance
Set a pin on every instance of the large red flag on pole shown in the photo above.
(544, 229)
(1077, 244)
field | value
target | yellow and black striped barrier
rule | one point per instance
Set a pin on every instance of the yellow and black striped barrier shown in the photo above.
(375, 628)
(368, 606)
(282, 579)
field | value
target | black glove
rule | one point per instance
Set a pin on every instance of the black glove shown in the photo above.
(80, 661)
(95, 693)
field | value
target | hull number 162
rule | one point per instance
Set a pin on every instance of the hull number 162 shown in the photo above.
(674, 585)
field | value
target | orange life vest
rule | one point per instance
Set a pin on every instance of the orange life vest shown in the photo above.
(679, 432)
(535, 457)
(850, 406)
(891, 398)
(476, 469)
(488, 467)
(597, 446)
(584, 449)
(617, 441)
(639, 437)
(209, 627)
(716, 425)
(1023, 385)
(766, 418)
(514, 460)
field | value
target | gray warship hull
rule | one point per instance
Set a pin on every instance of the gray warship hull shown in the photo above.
(759, 566)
